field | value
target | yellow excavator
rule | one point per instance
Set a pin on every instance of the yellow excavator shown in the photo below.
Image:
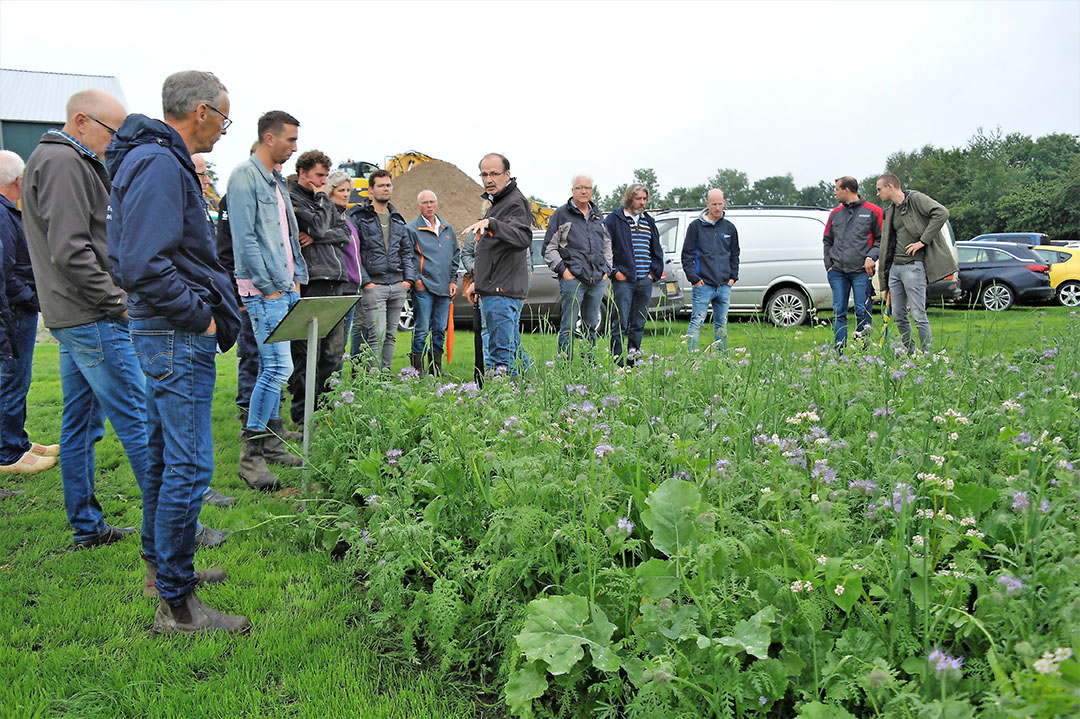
(401, 163)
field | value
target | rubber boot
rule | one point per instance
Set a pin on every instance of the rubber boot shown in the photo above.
(194, 616)
(416, 361)
(253, 469)
(436, 364)
(277, 426)
(202, 576)
(274, 449)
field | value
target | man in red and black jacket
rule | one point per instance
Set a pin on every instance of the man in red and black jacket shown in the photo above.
(851, 240)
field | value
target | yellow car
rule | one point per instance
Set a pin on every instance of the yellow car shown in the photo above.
(1064, 272)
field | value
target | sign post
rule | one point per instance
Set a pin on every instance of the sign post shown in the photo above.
(311, 318)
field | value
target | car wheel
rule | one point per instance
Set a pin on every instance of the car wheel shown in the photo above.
(788, 307)
(407, 320)
(1068, 294)
(996, 297)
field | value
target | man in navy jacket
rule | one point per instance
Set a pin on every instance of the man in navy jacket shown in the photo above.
(638, 261)
(710, 259)
(182, 308)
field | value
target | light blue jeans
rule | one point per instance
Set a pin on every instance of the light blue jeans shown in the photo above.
(275, 358)
(576, 296)
(907, 287)
(704, 296)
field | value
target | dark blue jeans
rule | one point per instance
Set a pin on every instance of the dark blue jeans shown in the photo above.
(14, 384)
(701, 299)
(431, 313)
(631, 299)
(502, 316)
(576, 296)
(247, 364)
(180, 374)
(100, 378)
(275, 358)
(843, 284)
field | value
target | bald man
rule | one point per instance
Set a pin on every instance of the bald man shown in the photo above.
(65, 200)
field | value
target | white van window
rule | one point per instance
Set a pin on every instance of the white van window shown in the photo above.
(669, 235)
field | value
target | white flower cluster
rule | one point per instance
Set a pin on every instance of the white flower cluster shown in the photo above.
(1049, 662)
(1011, 404)
(932, 478)
(801, 417)
(799, 586)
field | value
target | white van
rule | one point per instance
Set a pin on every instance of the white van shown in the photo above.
(781, 271)
(780, 267)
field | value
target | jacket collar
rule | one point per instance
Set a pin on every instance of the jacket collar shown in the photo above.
(9, 205)
(271, 176)
(55, 135)
(577, 210)
(706, 221)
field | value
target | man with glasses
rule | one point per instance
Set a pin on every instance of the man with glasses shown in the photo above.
(163, 252)
(577, 248)
(65, 196)
(501, 273)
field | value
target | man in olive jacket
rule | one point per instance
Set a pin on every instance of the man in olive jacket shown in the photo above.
(913, 254)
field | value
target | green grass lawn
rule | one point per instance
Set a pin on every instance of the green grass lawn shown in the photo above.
(75, 635)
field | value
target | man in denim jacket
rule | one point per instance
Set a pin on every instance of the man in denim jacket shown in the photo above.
(269, 272)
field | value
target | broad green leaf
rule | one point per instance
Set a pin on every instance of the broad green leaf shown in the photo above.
(852, 591)
(526, 684)
(557, 629)
(672, 509)
(975, 497)
(657, 578)
(753, 635)
(817, 710)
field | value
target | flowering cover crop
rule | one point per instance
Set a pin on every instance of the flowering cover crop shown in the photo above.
(739, 534)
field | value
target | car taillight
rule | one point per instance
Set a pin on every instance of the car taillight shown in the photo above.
(1045, 269)
(663, 275)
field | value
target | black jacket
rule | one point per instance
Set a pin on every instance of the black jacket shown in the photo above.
(579, 243)
(501, 253)
(317, 215)
(375, 264)
(622, 246)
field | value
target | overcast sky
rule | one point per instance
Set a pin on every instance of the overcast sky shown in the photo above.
(817, 89)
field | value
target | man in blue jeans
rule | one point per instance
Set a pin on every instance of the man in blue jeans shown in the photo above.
(269, 271)
(851, 239)
(501, 273)
(163, 253)
(638, 260)
(436, 258)
(18, 331)
(710, 259)
(577, 248)
(65, 194)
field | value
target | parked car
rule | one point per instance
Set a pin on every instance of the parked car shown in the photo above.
(542, 305)
(995, 275)
(781, 269)
(1064, 272)
(1021, 238)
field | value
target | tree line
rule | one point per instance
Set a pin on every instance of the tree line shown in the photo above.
(996, 183)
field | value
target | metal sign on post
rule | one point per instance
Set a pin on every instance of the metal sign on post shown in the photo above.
(311, 318)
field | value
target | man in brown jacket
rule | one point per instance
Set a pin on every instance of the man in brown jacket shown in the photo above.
(914, 253)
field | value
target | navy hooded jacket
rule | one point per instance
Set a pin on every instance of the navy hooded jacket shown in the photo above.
(162, 245)
(710, 251)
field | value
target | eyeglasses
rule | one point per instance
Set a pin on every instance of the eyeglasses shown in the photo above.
(486, 175)
(582, 187)
(111, 131)
(225, 121)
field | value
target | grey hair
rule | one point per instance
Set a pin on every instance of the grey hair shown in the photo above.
(335, 178)
(631, 190)
(422, 192)
(582, 176)
(11, 167)
(184, 91)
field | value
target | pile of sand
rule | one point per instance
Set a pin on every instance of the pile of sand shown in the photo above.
(460, 203)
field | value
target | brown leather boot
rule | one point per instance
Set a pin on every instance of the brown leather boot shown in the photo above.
(416, 361)
(203, 576)
(274, 449)
(194, 616)
(252, 466)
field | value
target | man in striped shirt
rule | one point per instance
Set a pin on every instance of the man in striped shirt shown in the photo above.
(638, 260)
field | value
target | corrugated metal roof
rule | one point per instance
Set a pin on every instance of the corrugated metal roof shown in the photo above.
(34, 96)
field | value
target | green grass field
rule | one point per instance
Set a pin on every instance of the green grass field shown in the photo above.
(75, 635)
